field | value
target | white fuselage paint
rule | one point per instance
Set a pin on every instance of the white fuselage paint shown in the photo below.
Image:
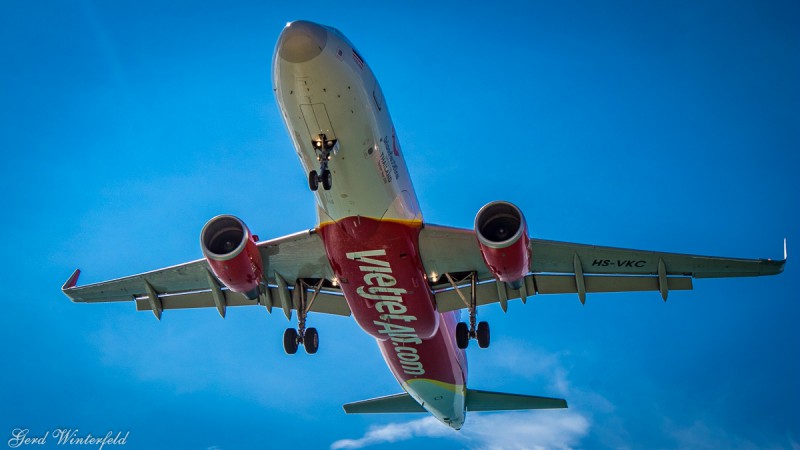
(326, 87)
(333, 94)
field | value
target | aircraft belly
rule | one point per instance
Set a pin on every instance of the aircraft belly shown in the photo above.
(328, 95)
(381, 275)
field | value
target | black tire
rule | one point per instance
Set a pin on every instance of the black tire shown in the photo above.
(290, 341)
(483, 334)
(462, 335)
(311, 341)
(313, 180)
(327, 180)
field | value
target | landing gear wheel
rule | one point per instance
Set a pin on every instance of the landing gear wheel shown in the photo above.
(311, 341)
(483, 334)
(324, 149)
(313, 180)
(327, 180)
(290, 341)
(462, 335)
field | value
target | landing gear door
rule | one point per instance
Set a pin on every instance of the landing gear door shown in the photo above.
(317, 121)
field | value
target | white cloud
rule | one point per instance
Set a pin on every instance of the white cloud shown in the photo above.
(520, 430)
(703, 435)
(527, 430)
(395, 432)
(517, 358)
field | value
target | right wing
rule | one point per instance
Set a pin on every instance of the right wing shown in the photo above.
(299, 256)
(565, 267)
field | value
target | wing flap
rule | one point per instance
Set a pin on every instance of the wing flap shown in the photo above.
(487, 293)
(565, 284)
(191, 300)
(326, 303)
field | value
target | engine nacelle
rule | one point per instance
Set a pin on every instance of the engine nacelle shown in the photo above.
(503, 237)
(232, 254)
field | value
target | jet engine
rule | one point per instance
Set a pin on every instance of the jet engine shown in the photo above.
(503, 238)
(232, 254)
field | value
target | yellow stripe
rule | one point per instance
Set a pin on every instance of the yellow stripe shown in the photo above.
(454, 388)
(410, 222)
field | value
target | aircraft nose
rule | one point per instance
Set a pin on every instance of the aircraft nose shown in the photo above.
(301, 41)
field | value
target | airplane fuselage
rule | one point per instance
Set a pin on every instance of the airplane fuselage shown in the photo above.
(369, 219)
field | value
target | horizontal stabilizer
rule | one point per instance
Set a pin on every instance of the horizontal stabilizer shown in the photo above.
(398, 403)
(499, 401)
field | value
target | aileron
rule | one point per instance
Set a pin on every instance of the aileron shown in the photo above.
(487, 292)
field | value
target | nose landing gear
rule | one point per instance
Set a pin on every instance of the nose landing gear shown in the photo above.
(324, 148)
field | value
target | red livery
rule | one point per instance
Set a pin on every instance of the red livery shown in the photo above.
(232, 254)
(503, 238)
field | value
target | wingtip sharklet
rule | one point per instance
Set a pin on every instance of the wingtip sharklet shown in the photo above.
(785, 253)
(72, 281)
(776, 267)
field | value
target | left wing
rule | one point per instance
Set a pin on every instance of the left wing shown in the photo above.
(299, 256)
(451, 254)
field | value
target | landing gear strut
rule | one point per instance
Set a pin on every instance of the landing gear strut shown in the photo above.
(463, 332)
(307, 337)
(324, 148)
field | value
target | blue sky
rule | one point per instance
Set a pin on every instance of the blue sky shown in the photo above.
(671, 126)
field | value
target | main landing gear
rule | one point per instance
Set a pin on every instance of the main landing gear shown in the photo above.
(307, 337)
(466, 332)
(324, 148)
(292, 339)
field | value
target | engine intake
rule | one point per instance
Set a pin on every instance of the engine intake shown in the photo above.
(503, 238)
(232, 254)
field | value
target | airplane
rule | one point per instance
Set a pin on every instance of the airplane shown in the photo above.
(371, 255)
